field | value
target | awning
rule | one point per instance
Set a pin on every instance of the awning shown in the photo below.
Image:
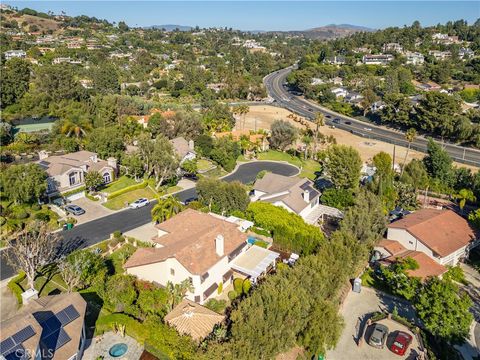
(254, 261)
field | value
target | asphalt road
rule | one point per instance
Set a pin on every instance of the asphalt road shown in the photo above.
(100, 229)
(274, 83)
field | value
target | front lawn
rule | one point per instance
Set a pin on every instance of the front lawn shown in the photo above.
(204, 165)
(120, 201)
(121, 183)
(47, 282)
(308, 167)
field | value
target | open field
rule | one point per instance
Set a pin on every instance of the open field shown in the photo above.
(261, 117)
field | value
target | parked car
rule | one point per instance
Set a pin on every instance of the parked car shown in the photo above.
(328, 116)
(336, 121)
(192, 177)
(379, 336)
(348, 123)
(137, 204)
(367, 129)
(401, 343)
(74, 209)
(310, 109)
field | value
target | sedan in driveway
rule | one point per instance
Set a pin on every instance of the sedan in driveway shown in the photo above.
(139, 203)
(74, 209)
(379, 336)
(401, 343)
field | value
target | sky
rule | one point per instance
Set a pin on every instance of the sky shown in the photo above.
(265, 15)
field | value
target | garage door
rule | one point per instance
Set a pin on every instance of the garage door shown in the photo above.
(76, 196)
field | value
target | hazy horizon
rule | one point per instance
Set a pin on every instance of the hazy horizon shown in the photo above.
(265, 15)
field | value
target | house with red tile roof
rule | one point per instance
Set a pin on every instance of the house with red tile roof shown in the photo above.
(205, 249)
(389, 252)
(442, 235)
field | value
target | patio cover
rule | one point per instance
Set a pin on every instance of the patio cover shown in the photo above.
(254, 261)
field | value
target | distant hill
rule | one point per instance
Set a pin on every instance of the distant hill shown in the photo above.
(331, 31)
(170, 27)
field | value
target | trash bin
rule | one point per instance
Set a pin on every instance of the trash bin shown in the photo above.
(69, 226)
(357, 285)
(65, 227)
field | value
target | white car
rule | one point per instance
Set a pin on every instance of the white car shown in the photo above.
(139, 203)
(367, 129)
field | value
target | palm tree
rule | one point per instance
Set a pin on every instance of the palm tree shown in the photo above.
(319, 121)
(177, 292)
(241, 110)
(165, 209)
(410, 136)
(307, 140)
(75, 126)
(463, 196)
(245, 144)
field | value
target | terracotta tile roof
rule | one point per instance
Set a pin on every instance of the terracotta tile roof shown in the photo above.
(443, 231)
(43, 306)
(426, 265)
(392, 246)
(190, 239)
(193, 319)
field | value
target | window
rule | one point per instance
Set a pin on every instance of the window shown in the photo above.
(107, 178)
(73, 177)
(204, 277)
(172, 272)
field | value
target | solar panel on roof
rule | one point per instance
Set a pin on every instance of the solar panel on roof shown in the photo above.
(51, 324)
(71, 312)
(6, 345)
(63, 318)
(17, 353)
(305, 185)
(56, 340)
(24, 334)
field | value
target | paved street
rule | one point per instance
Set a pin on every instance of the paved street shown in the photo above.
(274, 84)
(100, 229)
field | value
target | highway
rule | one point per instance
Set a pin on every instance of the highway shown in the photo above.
(274, 84)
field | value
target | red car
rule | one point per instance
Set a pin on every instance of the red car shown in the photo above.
(401, 343)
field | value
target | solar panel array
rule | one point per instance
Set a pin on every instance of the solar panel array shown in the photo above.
(10, 346)
(53, 335)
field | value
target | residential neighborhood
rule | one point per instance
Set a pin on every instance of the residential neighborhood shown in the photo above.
(256, 186)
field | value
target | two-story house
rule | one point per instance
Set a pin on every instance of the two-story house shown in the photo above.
(206, 249)
(442, 235)
(67, 172)
(184, 149)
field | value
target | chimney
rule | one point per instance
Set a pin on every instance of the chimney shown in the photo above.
(191, 144)
(93, 158)
(42, 155)
(219, 244)
(112, 162)
(306, 195)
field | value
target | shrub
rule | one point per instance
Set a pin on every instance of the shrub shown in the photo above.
(36, 207)
(216, 305)
(232, 295)
(20, 215)
(2, 221)
(127, 189)
(71, 220)
(246, 286)
(238, 285)
(14, 286)
(377, 316)
(117, 234)
(42, 216)
(76, 191)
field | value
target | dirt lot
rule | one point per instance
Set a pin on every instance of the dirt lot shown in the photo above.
(261, 117)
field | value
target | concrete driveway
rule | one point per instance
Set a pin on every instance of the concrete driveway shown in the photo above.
(353, 310)
(93, 210)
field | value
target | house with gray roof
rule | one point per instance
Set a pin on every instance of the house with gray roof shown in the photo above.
(295, 194)
(67, 172)
(50, 327)
(184, 149)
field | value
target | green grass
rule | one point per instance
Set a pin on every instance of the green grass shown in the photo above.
(121, 183)
(120, 201)
(215, 173)
(308, 167)
(48, 282)
(172, 189)
(204, 164)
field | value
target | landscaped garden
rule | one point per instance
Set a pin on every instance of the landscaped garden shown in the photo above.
(308, 167)
(120, 184)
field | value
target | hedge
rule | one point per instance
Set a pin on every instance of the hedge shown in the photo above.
(14, 286)
(127, 189)
(76, 191)
(377, 316)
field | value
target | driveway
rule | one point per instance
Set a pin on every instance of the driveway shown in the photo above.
(99, 229)
(353, 310)
(93, 210)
